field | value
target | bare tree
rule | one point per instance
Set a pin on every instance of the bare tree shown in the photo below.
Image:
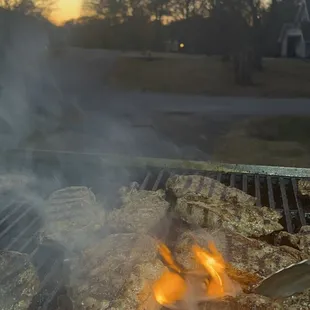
(184, 9)
(38, 7)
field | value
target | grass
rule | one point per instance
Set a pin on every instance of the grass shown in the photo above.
(280, 141)
(203, 75)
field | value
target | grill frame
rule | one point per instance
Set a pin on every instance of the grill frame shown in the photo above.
(153, 174)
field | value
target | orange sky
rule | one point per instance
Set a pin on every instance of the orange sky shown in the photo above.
(67, 9)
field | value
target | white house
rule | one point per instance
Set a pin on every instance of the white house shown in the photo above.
(294, 39)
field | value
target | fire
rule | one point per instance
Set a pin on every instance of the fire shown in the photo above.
(169, 288)
(175, 285)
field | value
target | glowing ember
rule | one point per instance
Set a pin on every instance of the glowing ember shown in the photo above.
(177, 285)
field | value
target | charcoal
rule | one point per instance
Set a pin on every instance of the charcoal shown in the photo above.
(19, 282)
(73, 218)
(300, 241)
(141, 211)
(181, 185)
(237, 212)
(248, 255)
(116, 273)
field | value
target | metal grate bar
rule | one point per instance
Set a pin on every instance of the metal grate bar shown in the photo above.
(232, 180)
(245, 183)
(159, 177)
(15, 210)
(270, 193)
(257, 190)
(298, 203)
(19, 236)
(145, 181)
(286, 209)
(16, 221)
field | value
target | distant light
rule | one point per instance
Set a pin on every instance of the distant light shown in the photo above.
(182, 45)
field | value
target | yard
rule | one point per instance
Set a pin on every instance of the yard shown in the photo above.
(204, 75)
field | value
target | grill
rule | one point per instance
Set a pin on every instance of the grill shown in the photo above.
(274, 187)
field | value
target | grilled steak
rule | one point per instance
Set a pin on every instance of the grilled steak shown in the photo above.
(116, 273)
(244, 254)
(140, 211)
(73, 217)
(225, 208)
(18, 281)
(181, 185)
(297, 301)
(242, 302)
(300, 241)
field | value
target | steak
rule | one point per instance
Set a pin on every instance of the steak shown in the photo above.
(73, 218)
(19, 282)
(227, 208)
(116, 273)
(141, 211)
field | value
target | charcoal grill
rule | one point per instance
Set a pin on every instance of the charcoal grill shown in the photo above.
(274, 187)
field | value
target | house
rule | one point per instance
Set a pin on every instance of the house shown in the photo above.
(294, 39)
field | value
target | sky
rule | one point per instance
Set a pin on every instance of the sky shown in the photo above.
(67, 9)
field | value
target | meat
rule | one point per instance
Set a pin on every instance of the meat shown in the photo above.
(18, 281)
(242, 302)
(73, 218)
(227, 207)
(181, 185)
(304, 187)
(141, 211)
(300, 241)
(248, 255)
(297, 301)
(116, 273)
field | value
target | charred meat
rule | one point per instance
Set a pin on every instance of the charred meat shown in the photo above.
(19, 282)
(73, 217)
(116, 273)
(140, 212)
(227, 208)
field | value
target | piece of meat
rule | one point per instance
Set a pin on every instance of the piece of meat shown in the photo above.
(140, 212)
(296, 301)
(73, 218)
(300, 241)
(248, 255)
(19, 282)
(233, 210)
(117, 274)
(304, 187)
(242, 302)
(181, 185)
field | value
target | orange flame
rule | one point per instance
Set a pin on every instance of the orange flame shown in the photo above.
(172, 287)
(167, 256)
(169, 288)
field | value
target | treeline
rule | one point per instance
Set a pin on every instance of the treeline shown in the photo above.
(222, 27)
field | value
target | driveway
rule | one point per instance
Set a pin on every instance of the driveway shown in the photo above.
(100, 119)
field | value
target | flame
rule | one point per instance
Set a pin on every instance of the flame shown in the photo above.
(177, 285)
(169, 288)
(167, 256)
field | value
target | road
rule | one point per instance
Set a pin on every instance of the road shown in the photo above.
(145, 124)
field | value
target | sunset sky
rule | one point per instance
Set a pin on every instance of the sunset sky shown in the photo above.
(67, 9)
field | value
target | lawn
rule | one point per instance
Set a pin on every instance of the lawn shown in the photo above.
(204, 75)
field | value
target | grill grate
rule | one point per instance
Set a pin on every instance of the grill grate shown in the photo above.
(19, 223)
